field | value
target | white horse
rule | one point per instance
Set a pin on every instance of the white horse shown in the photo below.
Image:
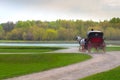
(81, 43)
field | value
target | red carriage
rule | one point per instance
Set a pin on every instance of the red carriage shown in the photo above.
(95, 40)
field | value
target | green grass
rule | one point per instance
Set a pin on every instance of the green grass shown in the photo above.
(26, 49)
(113, 48)
(19, 64)
(37, 49)
(113, 74)
(12, 65)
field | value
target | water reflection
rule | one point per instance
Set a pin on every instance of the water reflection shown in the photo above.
(47, 44)
(39, 44)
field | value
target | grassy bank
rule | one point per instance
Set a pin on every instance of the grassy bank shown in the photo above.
(19, 64)
(113, 74)
(113, 48)
(108, 42)
(12, 65)
(26, 49)
(38, 49)
(22, 41)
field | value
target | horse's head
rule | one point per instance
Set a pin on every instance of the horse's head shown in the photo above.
(78, 38)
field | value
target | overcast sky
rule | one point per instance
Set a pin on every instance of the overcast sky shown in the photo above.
(50, 10)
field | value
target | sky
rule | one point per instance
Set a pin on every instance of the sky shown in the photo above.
(51, 10)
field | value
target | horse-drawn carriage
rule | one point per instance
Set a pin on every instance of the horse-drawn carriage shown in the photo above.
(95, 39)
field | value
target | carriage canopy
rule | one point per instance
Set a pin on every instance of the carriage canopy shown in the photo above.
(92, 34)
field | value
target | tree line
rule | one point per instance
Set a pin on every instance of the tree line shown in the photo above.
(58, 30)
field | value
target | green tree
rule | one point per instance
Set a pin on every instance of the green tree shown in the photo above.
(15, 34)
(8, 26)
(1, 32)
(23, 24)
(24, 36)
(51, 34)
(37, 33)
(58, 30)
(115, 20)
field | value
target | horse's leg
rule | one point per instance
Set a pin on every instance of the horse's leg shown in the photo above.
(79, 48)
(104, 47)
(96, 48)
(89, 49)
(89, 46)
(83, 48)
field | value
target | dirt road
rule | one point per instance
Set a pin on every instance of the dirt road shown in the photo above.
(100, 62)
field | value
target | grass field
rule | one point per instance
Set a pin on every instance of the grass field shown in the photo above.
(26, 49)
(113, 48)
(19, 64)
(113, 74)
(12, 65)
(37, 49)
